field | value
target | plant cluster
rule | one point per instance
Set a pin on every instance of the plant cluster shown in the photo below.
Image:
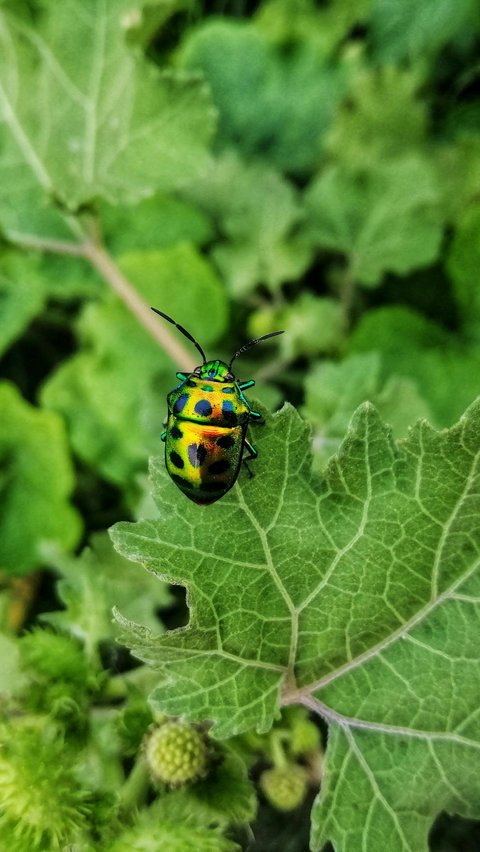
(245, 167)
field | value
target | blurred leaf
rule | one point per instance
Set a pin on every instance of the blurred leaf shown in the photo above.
(334, 390)
(112, 393)
(313, 325)
(225, 796)
(22, 295)
(383, 117)
(383, 220)
(155, 223)
(70, 278)
(406, 29)
(99, 121)
(458, 165)
(272, 104)
(11, 677)
(287, 21)
(93, 583)
(257, 213)
(36, 479)
(463, 264)
(355, 595)
(446, 373)
(144, 22)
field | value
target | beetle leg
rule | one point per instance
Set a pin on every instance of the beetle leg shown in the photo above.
(163, 436)
(253, 455)
(244, 385)
(257, 417)
(182, 376)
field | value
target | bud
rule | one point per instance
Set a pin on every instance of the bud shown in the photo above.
(285, 787)
(305, 737)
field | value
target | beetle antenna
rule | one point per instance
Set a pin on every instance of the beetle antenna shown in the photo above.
(184, 332)
(251, 343)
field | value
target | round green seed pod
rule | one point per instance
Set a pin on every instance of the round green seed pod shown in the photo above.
(285, 787)
(176, 754)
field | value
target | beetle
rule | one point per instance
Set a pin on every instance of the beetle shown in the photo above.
(208, 417)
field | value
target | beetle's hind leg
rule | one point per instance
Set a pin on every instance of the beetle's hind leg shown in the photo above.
(257, 418)
(252, 455)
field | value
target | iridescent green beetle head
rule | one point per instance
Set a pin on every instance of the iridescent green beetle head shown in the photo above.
(215, 370)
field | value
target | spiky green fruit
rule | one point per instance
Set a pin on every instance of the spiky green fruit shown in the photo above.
(285, 787)
(176, 754)
(43, 805)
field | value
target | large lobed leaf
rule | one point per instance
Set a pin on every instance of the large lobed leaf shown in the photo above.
(83, 117)
(356, 595)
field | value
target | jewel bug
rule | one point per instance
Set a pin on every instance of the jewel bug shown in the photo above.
(208, 417)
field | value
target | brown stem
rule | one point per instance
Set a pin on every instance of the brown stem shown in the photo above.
(96, 254)
(108, 269)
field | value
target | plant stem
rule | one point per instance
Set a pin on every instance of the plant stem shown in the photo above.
(108, 269)
(347, 288)
(94, 251)
(134, 790)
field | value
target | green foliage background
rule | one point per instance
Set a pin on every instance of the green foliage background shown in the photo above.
(244, 166)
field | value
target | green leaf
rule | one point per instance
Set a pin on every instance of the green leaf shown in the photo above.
(383, 118)
(287, 21)
(383, 220)
(99, 121)
(22, 295)
(224, 797)
(93, 583)
(36, 480)
(155, 223)
(112, 393)
(334, 390)
(314, 325)
(404, 29)
(272, 103)
(445, 371)
(356, 596)
(463, 263)
(257, 213)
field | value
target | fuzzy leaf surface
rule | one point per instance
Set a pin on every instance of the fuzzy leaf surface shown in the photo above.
(356, 595)
(99, 121)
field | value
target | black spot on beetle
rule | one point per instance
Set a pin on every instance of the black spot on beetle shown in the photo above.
(219, 467)
(228, 412)
(180, 403)
(175, 433)
(176, 459)
(196, 454)
(226, 441)
(203, 408)
(190, 383)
